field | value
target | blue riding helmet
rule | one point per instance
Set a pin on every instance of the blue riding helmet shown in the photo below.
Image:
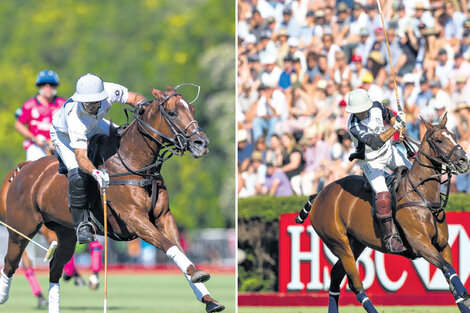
(47, 77)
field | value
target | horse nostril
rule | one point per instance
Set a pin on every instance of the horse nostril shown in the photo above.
(200, 143)
(463, 161)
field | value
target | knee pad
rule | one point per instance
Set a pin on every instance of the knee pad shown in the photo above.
(383, 204)
(77, 189)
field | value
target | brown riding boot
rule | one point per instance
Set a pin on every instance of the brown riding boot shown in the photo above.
(383, 211)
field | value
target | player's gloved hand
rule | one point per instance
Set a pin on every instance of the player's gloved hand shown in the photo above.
(101, 177)
(401, 116)
(400, 121)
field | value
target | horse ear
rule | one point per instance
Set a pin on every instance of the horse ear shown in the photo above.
(157, 93)
(444, 119)
(169, 88)
(426, 123)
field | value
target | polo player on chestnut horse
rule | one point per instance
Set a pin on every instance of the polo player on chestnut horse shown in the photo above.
(138, 202)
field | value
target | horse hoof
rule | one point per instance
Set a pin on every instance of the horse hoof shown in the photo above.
(93, 282)
(42, 302)
(214, 306)
(200, 277)
(66, 277)
(78, 280)
(3, 299)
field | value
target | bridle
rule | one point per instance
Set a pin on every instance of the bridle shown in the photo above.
(169, 146)
(443, 160)
(180, 140)
(441, 164)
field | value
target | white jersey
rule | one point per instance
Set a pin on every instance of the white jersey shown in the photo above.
(363, 132)
(80, 126)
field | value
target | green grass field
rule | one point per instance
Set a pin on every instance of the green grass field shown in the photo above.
(126, 293)
(352, 309)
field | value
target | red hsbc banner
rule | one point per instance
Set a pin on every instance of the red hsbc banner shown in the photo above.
(305, 264)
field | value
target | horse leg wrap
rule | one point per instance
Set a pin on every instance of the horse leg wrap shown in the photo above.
(33, 281)
(180, 259)
(199, 289)
(366, 303)
(333, 300)
(95, 255)
(183, 262)
(5, 283)
(453, 279)
(462, 307)
(54, 298)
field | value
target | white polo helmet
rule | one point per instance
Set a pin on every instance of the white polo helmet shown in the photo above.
(89, 88)
(358, 101)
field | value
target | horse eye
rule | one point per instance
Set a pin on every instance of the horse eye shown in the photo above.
(172, 113)
(438, 141)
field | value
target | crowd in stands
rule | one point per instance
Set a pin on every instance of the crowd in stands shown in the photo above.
(297, 61)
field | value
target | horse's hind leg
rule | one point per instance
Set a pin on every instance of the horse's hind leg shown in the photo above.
(337, 274)
(66, 240)
(16, 246)
(342, 249)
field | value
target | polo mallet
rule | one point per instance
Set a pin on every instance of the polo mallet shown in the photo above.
(105, 216)
(49, 252)
(389, 56)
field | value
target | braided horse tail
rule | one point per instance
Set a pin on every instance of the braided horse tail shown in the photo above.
(5, 187)
(303, 214)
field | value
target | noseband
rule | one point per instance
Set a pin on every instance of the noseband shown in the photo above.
(180, 140)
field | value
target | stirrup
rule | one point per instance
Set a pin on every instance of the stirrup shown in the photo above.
(86, 240)
(388, 244)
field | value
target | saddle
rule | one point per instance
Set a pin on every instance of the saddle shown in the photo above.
(393, 181)
(100, 148)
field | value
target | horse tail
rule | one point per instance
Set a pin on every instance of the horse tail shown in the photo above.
(5, 187)
(303, 214)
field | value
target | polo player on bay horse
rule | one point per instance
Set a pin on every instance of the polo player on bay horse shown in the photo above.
(375, 152)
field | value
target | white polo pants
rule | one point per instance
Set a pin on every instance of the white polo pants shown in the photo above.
(374, 170)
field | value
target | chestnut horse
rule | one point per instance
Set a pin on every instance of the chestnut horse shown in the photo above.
(49, 235)
(341, 216)
(138, 202)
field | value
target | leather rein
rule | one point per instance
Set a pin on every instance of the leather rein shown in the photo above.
(442, 165)
(169, 146)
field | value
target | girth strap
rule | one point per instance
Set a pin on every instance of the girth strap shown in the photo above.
(141, 183)
(434, 205)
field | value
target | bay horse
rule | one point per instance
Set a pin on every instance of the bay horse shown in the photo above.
(138, 201)
(341, 216)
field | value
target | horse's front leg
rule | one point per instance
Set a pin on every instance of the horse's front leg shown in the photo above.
(447, 255)
(421, 244)
(165, 223)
